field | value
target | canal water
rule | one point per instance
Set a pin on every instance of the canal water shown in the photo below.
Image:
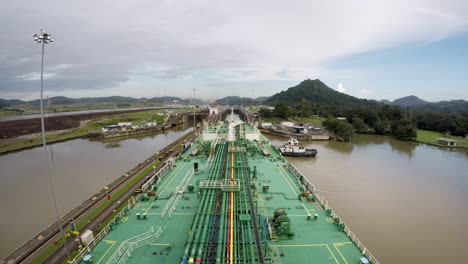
(80, 169)
(407, 203)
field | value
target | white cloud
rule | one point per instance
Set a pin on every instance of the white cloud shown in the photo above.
(34, 76)
(340, 88)
(241, 41)
(365, 92)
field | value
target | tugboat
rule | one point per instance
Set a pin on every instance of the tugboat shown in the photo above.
(293, 149)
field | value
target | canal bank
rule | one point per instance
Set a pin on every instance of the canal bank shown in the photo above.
(80, 169)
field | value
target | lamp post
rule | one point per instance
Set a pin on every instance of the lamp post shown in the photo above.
(193, 105)
(45, 38)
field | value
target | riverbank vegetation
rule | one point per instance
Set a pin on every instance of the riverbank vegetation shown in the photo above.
(312, 98)
(85, 127)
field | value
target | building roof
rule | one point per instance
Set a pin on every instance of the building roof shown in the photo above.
(214, 104)
(446, 140)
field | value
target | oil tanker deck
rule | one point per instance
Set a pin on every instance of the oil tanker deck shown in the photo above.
(229, 198)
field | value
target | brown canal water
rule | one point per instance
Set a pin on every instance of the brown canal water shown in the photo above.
(80, 169)
(408, 203)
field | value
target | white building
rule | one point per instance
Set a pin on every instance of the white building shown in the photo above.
(214, 109)
(287, 124)
(125, 124)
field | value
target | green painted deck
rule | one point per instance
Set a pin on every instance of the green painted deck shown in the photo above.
(204, 228)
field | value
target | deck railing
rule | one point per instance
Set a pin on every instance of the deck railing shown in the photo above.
(301, 179)
(175, 197)
(85, 251)
(224, 185)
(124, 251)
(158, 175)
(132, 201)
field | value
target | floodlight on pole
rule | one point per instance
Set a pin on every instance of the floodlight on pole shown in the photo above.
(193, 103)
(45, 38)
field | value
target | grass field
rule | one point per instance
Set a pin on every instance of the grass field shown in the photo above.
(93, 125)
(4, 112)
(273, 119)
(430, 137)
(316, 121)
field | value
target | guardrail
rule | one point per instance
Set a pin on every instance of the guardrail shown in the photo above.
(126, 248)
(311, 187)
(175, 197)
(158, 175)
(83, 252)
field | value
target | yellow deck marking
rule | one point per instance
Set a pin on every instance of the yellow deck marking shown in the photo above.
(297, 215)
(285, 178)
(305, 208)
(172, 213)
(300, 245)
(310, 245)
(107, 251)
(115, 251)
(289, 178)
(339, 244)
(339, 252)
(174, 176)
(333, 255)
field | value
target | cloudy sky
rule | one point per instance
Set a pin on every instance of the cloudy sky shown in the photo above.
(369, 48)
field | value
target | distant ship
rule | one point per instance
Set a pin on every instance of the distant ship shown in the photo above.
(293, 149)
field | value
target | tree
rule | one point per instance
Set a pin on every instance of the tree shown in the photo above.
(381, 126)
(282, 110)
(344, 130)
(304, 107)
(265, 112)
(330, 123)
(359, 125)
(404, 129)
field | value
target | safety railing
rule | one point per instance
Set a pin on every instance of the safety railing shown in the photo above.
(175, 197)
(85, 251)
(225, 185)
(305, 183)
(158, 175)
(124, 251)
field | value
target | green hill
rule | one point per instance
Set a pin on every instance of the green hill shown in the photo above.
(409, 101)
(316, 92)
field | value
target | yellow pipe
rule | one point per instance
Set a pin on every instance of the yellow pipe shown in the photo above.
(232, 229)
(231, 244)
